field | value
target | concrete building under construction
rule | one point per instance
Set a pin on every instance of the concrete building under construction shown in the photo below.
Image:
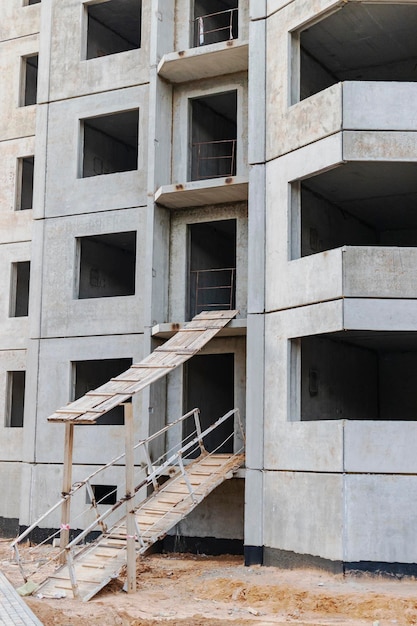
(164, 158)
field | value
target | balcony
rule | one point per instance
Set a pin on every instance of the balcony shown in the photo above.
(215, 48)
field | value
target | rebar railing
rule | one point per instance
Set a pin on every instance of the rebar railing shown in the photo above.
(215, 27)
(212, 289)
(147, 473)
(213, 159)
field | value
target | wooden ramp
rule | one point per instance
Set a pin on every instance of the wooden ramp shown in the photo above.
(181, 347)
(98, 563)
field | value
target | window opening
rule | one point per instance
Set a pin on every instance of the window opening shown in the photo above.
(110, 143)
(214, 21)
(212, 266)
(103, 494)
(25, 167)
(355, 204)
(89, 375)
(30, 79)
(360, 375)
(361, 42)
(213, 136)
(15, 399)
(20, 279)
(112, 27)
(209, 386)
(107, 265)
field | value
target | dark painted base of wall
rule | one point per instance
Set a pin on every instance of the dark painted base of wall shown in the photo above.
(9, 527)
(38, 535)
(201, 545)
(292, 560)
(254, 555)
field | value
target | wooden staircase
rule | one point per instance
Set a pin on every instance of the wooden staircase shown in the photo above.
(103, 560)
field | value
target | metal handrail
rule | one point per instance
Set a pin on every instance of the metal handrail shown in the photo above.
(166, 460)
(200, 158)
(200, 32)
(200, 289)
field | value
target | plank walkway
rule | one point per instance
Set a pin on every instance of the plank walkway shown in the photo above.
(164, 359)
(13, 609)
(97, 564)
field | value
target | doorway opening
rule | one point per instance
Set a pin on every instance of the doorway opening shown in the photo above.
(209, 386)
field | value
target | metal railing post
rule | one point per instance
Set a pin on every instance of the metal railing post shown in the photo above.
(186, 479)
(198, 430)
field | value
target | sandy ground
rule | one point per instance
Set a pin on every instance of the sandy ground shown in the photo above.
(188, 590)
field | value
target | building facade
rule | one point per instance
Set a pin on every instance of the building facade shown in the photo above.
(145, 179)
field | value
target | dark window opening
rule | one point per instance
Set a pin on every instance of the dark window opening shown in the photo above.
(213, 136)
(357, 204)
(107, 265)
(360, 41)
(212, 266)
(103, 494)
(113, 27)
(360, 375)
(209, 386)
(33, 2)
(20, 289)
(214, 21)
(110, 143)
(25, 190)
(89, 375)
(30, 80)
(16, 399)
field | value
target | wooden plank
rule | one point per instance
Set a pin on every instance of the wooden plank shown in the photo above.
(173, 353)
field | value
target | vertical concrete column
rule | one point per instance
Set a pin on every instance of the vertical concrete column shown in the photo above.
(256, 290)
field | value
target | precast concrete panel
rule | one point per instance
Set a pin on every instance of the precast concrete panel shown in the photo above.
(303, 513)
(15, 224)
(18, 20)
(181, 121)
(55, 389)
(381, 516)
(377, 447)
(67, 193)
(13, 330)
(16, 120)
(10, 477)
(71, 75)
(178, 264)
(10, 438)
(63, 313)
(305, 446)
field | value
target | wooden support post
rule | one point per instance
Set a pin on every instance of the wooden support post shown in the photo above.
(66, 488)
(130, 492)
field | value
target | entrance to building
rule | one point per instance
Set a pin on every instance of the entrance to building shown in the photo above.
(209, 386)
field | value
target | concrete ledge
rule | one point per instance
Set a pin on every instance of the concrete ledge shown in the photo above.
(203, 192)
(216, 59)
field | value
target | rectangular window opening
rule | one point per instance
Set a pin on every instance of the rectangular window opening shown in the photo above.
(112, 27)
(110, 143)
(214, 21)
(213, 136)
(15, 399)
(107, 265)
(88, 375)
(25, 167)
(212, 266)
(19, 292)
(29, 80)
(103, 494)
